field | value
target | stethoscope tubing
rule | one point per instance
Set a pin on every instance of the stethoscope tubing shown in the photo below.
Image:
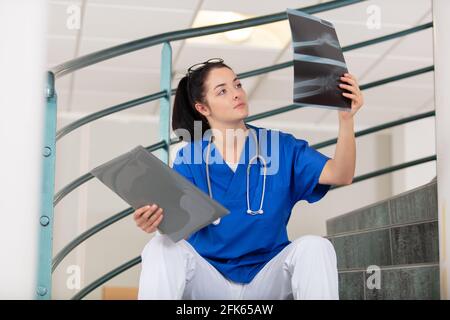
(254, 158)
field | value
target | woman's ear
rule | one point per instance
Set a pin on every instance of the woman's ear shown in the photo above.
(203, 109)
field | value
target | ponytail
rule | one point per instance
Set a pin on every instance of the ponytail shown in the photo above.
(184, 113)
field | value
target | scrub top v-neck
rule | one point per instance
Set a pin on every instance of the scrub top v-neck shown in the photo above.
(233, 166)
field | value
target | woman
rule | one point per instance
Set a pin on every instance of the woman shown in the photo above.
(246, 254)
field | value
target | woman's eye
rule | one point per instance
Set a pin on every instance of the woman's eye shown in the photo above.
(239, 85)
(221, 91)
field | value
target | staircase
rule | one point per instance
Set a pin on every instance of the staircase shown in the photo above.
(400, 236)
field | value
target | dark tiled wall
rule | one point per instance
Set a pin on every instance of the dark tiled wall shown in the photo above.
(409, 244)
(368, 218)
(351, 285)
(417, 243)
(363, 249)
(411, 207)
(399, 235)
(416, 206)
(408, 283)
(412, 283)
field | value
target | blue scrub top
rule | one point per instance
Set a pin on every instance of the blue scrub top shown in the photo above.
(241, 244)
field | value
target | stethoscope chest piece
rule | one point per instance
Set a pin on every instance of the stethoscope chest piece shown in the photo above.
(261, 211)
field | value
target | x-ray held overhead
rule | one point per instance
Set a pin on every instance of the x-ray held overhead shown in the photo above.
(318, 62)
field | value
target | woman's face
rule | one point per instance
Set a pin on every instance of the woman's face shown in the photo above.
(225, 98)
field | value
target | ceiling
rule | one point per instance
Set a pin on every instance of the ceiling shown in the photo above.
(106, 23)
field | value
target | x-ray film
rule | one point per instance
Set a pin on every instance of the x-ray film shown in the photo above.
(140, 178)
(318, 62)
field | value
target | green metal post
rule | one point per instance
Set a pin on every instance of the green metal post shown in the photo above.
(44, 283)
(164, 109)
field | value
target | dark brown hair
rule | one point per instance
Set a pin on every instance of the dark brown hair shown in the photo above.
(191, 89)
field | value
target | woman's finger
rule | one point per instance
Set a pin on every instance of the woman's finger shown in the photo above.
(349, 75)
(349, 80)
(153, 218)
(349, 88)
(154, 226)
(150, 212)
(138, 212)
(349, 95)
(146, 215)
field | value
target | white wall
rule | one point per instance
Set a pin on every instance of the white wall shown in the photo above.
(410, 142)
(22, 72)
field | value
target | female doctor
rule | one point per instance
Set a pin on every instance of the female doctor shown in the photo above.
(245, 254)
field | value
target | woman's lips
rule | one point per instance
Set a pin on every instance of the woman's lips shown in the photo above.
(240, 105)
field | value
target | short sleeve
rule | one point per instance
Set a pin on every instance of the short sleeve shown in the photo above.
(307, 165)
(181, 166)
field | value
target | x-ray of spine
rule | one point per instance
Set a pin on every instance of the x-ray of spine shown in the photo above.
(318, 62)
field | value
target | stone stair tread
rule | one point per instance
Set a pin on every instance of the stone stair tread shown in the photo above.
(419, 204)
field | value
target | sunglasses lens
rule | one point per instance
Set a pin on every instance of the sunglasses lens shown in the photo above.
(198, 66)
(215, 60)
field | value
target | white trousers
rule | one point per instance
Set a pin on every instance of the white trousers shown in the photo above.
(305, 269)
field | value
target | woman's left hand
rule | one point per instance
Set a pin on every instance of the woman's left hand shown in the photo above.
(349, 83)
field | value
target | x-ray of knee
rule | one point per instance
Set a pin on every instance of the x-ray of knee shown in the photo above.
(318, 62)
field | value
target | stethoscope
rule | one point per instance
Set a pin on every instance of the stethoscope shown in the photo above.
(254, 158)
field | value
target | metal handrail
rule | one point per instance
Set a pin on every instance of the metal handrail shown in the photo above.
(105, 112)
(102, 55)
(108, 276)
(362, 87)
(87, 234)
(92, 286)
(355, 46)
(109, 221)
(380, 127)
(391, 36)
(389, 170)
(136, 102)
(398, 77)
(86, 177)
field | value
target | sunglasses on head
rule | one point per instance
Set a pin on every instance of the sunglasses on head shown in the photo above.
(200, 65)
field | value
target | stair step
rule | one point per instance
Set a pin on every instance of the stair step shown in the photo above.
(398, 235)
(406, 244)
(416, 205)
(401, 282)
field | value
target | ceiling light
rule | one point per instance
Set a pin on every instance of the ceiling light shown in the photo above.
(239, 35)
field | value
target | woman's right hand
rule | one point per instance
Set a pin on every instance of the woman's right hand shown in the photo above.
(148, 217)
